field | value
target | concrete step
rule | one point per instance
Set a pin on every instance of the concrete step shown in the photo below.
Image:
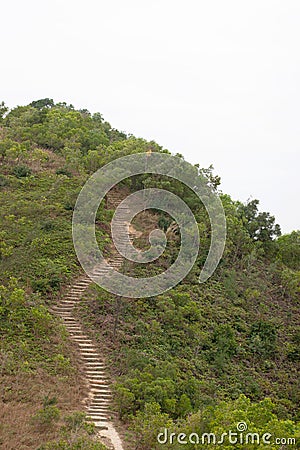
(92, 371)
(93, 415)
(104, 395)
(84, 339)
(91, 363)
(89, 352)
(101, 426)
(99, 415)
(97, 391)
(67, 303)
(86, 343)
(92, 354)
(90, 360)
(95, 365)
(99, 375)
(96, 411)
(76, 293)
(105, 400)
(101, 385)
(103, 404)
(103, 382)
(77, 338)
(99, 418)
(99, 408)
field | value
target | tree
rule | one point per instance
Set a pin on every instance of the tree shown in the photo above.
(260, 225)
(289, 250)
(147, 423)
(43, 103)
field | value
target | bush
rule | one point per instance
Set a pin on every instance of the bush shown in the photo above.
(47, 416)
(21, 171)
(63, 171)
(75, 424)
(3, 181)
(294, 351)
(125, 401)
(48, 275)
(147, 423)
(48, 225)
(263, 336)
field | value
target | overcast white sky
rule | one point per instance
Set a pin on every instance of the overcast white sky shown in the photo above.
(217, 81)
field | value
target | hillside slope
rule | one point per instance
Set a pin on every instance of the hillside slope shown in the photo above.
(196, 358)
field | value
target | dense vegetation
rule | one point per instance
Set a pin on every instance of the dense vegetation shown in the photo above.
(199, 358)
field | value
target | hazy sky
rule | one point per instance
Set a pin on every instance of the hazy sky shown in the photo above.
(217, 81)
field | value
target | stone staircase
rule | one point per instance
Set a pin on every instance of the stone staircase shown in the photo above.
(98, 401)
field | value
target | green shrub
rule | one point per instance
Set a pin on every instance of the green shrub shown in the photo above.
(124, 400)
(47, 416)
(76, 423)
(263, 336)
(63, 171)
(48, 274)
(147, 423)
(48, 225)
(3, 181)
(21, 171)
(294, 350)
